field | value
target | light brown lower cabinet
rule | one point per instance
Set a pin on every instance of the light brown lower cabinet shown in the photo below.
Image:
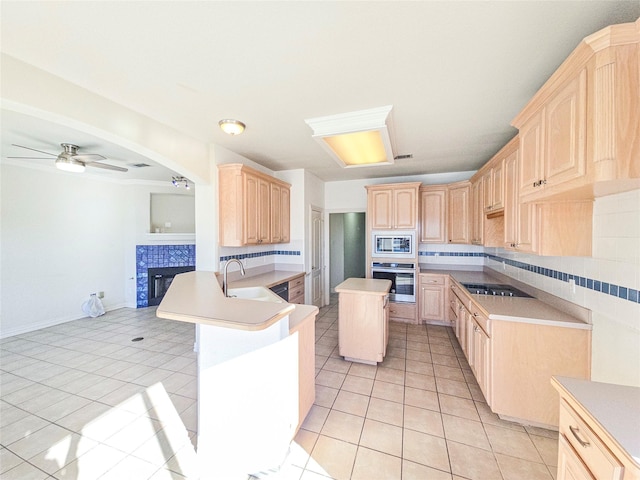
(481, 346)
(306, 365)
(513, 361)
(402, 312)
(296, 289)
(432, 300)
(586, 450)
(363, 325)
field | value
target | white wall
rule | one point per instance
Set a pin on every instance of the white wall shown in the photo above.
(63, 238)
(615, 260)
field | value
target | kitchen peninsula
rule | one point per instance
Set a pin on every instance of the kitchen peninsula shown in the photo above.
(514, 345)
(250, 402)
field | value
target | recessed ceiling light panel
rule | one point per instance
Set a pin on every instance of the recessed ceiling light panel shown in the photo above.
(355, 139)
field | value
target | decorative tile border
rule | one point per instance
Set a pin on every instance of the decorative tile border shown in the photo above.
(242, 256)
(618, 291)
(157, 256)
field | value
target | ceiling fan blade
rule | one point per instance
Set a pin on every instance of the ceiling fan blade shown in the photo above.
(107, 166)
(29, 148)
(88, 157)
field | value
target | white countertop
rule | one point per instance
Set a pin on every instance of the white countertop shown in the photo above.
(196, 297)
(527, 310)
(512, 309)
(268, 279)
(367, 286)
(616, 408)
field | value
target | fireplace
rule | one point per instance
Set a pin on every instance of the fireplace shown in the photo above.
(160, 279)
(160, 257)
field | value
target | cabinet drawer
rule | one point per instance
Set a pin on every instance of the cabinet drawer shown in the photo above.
(402, 310)
(296, 292)
(296, 282)
(299, 299)
(429, 279)
(591, 450)
(481, 320)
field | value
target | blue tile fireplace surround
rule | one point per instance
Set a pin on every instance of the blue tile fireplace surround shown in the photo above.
(159, 256)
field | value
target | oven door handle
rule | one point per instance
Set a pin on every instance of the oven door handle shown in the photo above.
(393, 270)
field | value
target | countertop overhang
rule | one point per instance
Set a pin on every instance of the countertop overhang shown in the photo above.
(196, 297)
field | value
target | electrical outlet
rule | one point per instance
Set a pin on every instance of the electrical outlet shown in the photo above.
(100, 294)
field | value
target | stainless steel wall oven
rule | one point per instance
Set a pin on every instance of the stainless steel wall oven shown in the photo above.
(403, 279)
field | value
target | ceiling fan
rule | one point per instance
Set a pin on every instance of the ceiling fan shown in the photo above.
(71, 161)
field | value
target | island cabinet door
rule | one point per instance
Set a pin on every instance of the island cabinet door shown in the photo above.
(361, 327)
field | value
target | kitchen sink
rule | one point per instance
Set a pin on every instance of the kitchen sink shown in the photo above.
(262, 294)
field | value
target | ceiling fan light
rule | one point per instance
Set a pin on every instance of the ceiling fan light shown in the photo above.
(231, 126)
(69, 165)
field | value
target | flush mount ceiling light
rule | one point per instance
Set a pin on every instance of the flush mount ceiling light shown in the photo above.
(231, 126)
(69, 164)
(356, 139)
(180, 181)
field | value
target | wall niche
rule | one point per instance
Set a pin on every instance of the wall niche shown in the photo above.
(172, 213)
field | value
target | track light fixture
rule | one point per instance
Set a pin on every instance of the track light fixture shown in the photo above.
(179, 181)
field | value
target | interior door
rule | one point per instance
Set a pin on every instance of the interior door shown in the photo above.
(317, 258)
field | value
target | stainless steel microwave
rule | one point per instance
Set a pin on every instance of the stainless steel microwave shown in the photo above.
(393, 244)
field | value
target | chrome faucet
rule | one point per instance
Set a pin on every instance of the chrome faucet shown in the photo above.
(224, 275)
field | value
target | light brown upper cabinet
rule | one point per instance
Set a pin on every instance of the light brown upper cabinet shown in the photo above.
(280, 213)
(493, 186)
(253, 207)
(458, 222)
(433, 214)
(580, 133)
(519, 217)
(554, 139)
(393, 206)
(477, 211)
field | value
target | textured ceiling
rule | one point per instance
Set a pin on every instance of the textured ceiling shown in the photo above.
(456, 73)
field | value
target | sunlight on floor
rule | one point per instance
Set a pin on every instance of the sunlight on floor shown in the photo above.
(160, 431)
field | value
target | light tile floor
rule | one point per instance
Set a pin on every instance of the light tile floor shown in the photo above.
(82, 401)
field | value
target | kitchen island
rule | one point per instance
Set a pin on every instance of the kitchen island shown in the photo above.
(363, 319)
(249, 375)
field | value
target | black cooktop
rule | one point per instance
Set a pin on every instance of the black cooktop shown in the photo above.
(498, 290)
